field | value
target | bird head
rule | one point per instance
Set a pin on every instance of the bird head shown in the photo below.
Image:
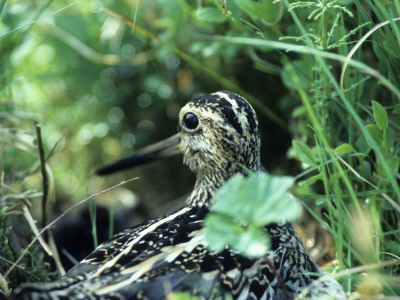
(219, 135)
(218, 138)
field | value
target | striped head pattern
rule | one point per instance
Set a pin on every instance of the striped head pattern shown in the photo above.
(219, 138)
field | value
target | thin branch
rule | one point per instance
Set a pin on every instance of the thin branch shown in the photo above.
(23, 269)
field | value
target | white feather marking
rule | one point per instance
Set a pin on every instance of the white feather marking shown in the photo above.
(168, 254)
(137, 271)
(128, 249)
(227, 98)
(187, 247)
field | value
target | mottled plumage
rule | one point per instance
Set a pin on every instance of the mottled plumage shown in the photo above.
(218, 136)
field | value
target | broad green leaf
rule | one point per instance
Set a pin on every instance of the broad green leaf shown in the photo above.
(304, 153)
(220, 231)
(376, 133)
(263, 9)
(243, 206)
(259, 199)
(229, 199)
(253, 242)
(344, 149)
(210, 14)
(380, 115)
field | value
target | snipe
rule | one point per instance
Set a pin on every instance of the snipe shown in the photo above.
(218, 136)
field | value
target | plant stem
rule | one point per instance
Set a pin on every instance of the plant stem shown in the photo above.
(111, 218)
(92, 213)
(324, 25)
(44, 173)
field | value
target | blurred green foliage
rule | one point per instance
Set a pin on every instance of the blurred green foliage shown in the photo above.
(101, 88)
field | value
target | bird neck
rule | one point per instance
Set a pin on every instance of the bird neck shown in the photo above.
(207, 185)
(204, 190)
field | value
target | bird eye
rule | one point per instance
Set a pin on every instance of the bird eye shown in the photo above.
(190, 121)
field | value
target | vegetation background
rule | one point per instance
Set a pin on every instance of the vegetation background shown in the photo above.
(101, 88)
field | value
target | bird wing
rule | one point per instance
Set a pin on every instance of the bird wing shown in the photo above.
(170, 254)
(165, 255)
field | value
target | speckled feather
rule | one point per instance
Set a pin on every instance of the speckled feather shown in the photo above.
(170, 254)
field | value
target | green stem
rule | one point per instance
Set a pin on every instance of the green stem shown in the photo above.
(324, 25)
(44, 173)
(111, 218)
(92, 213)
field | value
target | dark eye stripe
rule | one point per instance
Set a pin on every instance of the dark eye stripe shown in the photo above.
(219, 104)
(230, 116)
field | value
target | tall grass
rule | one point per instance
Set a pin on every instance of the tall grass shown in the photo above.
(360, 183)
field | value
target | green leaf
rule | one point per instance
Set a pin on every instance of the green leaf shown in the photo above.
(344, 149)
(390, 138)
(393, 163)
(362, 145)
(366, 168)
(221, 230)
(259, 199)
(253, 242)
(376, 133)
(243, 206)
(304, 153)
(210, 14)
(263, 9)
(311, 180)
(380, 115)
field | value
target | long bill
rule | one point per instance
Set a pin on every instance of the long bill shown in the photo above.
(162, 149)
